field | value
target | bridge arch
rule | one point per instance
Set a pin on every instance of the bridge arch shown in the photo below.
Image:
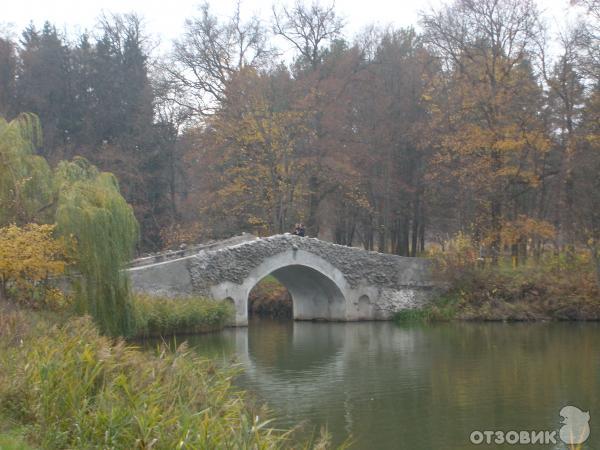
(318, 289)
(315, 296)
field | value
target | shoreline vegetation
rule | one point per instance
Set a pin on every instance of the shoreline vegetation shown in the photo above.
(554, 287)
(64, 385)
(163, 316)
(270, 298)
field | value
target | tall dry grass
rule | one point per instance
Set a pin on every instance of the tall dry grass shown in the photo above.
(70, 387)
(162, 316)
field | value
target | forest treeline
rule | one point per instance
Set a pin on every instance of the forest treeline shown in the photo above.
(482, 122)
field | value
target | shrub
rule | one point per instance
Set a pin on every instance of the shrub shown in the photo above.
(456, 259)
(442, 310)
(161, 316)
(29, 257)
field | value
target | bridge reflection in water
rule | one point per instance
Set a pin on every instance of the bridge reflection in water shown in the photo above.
(415, 387)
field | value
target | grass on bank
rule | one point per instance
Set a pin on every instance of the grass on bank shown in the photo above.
(162, 316)
(551, 289)
(443, 309)
(63, 386)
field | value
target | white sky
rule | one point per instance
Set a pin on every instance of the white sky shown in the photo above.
(164, 19)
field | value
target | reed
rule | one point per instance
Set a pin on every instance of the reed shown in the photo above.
(161, 316)
(70, 387)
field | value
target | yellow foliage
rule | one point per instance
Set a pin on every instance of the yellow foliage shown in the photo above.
(524, 228)
(29, 257)
(258, 156)
(456, 254)
(178, 234)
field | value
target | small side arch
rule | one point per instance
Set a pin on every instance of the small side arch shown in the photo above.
(364, 308)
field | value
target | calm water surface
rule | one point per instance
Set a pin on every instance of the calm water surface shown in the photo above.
(417, 387)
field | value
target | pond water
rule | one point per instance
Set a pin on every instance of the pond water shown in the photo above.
(417, 387)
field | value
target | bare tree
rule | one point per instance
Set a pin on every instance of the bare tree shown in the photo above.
(484, 31)
(308, 28)
(589, 29)
(208, 54)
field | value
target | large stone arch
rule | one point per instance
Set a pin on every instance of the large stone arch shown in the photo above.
(318, 289)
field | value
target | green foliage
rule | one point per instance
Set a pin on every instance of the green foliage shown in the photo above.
(25, 178)
(91, 209)
(443, 309)
(166, 316)
(74, 388)
(411, 316)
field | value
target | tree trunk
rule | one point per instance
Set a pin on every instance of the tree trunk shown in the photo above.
(496, 210)
(596, 258)
(3, 293)
(312, 225)
(415, 225)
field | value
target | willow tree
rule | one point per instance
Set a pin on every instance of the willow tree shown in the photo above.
(25, 178)
(91, 208)
(85, 204)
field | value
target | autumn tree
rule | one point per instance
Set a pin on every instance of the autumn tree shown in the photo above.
(117, 130)
(312, 31)
(566, 96)
(491, 129)
(586, 173)
(389, 121)
(29, 257)
(256, 140)
(589, 29)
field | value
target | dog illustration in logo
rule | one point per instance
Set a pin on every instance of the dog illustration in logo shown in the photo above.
(575, 429)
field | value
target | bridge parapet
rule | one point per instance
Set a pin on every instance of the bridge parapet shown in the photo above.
(234, 263)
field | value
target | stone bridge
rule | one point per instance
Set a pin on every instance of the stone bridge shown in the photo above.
(326, 281)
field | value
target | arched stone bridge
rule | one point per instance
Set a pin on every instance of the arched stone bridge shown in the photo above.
(326, 281)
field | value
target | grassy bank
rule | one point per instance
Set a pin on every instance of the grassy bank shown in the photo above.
(63, 385)
(161, 316)
(552, 290)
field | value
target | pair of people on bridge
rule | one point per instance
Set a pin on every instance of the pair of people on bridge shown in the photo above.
(299, 230)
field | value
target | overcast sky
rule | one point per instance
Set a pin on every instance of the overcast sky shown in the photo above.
(164, 19)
